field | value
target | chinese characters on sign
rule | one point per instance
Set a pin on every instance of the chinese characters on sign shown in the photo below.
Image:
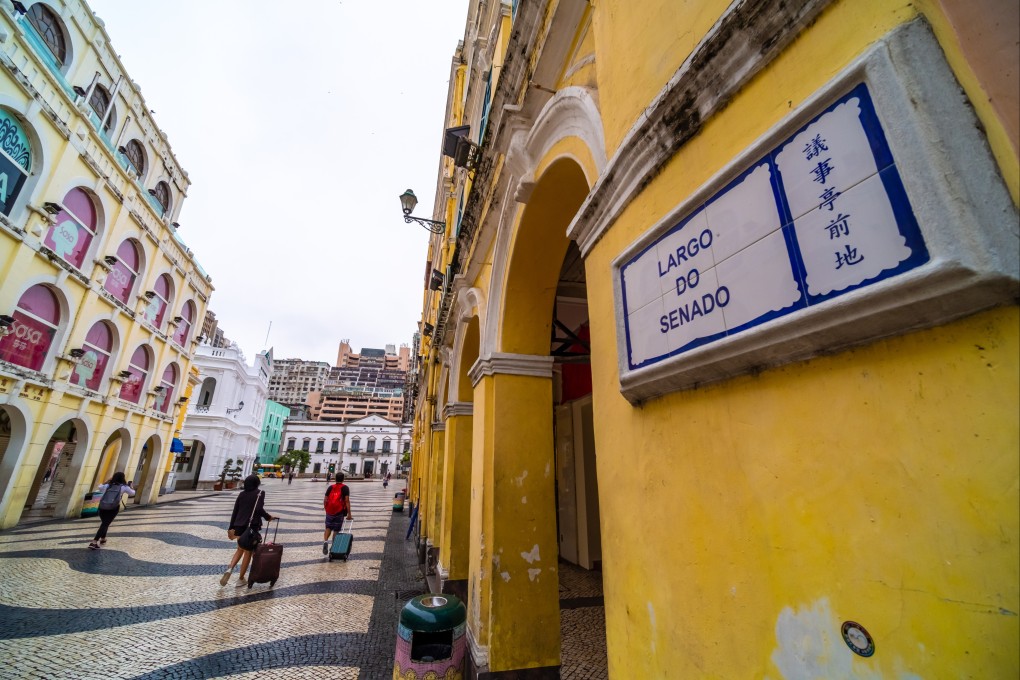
(822, 214)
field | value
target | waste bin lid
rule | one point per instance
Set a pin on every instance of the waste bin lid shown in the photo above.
(433, 612)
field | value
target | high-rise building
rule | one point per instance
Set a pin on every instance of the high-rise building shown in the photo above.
(101, 299)
(293, 380)
(369, 383)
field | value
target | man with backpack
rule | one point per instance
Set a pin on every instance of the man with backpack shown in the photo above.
(337, 504)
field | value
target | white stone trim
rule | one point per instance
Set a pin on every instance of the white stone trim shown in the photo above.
(458, 408)
(511, 364)
(964, 210)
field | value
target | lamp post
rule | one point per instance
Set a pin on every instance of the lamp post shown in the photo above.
(407, 202)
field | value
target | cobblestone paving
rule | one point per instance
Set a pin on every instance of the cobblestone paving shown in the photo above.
(582, 624)
(149, 604)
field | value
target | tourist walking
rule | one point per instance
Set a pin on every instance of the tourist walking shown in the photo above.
(337, 504)
(249, 511)
(109, 505)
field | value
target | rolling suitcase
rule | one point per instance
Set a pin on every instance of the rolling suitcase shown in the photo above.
(265, 560)
(342, 542)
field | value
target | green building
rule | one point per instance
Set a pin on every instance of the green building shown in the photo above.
(272, 432)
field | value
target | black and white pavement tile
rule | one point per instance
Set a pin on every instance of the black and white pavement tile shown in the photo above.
(149, 604)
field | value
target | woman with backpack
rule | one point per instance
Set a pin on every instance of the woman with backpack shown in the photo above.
(248, 512)
(109, 505)
(337, 504)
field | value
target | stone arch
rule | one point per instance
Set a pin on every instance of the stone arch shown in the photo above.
(15, 425)
(117, 444)
(146, 473)
(534, 258)
(56, 484)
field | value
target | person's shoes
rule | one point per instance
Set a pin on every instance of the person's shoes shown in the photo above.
(225, 577)
(240, 582)
(102, 541)
(93, 546)
(325, 547)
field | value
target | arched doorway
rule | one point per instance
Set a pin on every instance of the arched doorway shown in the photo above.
(189, 464)
(13, 441)
(57, 473)
(539, 437)
(147, 469)
(117, 444)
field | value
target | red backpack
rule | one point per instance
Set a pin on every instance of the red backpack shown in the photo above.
(335, 504)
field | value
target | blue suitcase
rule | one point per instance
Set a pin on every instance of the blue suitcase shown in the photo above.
(342, 542)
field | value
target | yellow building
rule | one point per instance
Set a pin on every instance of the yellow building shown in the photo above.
(101, 302)
(726, 308)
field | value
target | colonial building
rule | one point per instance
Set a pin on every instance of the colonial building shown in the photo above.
(101, 298)
(370, 446)
(226, 419)
(723, 309)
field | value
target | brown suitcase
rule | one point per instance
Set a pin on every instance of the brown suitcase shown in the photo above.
(265, 560)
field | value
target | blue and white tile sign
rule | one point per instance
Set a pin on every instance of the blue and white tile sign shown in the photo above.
(822, 214)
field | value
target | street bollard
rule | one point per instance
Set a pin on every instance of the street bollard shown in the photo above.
(398, 501)
(431, 639)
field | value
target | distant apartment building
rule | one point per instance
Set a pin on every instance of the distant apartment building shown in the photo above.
(211, 331)
(369, 383)
(293, 379)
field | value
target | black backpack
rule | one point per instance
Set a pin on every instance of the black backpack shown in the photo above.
(111, 497)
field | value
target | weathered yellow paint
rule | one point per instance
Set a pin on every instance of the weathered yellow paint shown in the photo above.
(434, 516)
(454, 543)
(516, 564)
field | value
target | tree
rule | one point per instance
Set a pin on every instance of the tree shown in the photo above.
(227, 470)
(295, 458)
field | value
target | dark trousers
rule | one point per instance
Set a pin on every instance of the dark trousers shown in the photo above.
(105, 518)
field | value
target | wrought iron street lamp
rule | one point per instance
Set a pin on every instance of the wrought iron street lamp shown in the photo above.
(407, 202)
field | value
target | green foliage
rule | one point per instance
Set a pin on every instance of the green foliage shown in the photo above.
(227, 470)
(295, 459)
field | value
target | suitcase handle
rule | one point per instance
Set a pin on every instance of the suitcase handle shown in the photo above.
(346, 528)
(277, 530)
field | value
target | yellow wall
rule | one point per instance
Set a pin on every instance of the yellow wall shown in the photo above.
(878, 485)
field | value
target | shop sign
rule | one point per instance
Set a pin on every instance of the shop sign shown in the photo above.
(822, 214)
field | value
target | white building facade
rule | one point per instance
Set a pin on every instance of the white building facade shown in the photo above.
(225, 416)
(368, 447)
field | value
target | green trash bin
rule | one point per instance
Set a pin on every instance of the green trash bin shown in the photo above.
(431, 638)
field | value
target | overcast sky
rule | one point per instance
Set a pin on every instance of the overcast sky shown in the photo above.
(299, 125)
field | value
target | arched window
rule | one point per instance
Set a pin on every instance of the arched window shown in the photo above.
(138, 367)
(291, 443)
(168, 382)
(121, 279)
(74, 228)
(36, 318)
(135, 153)
(15, 149)
(92, 366)
(46, 24)
(162, 195)
(155, 310)
(184, 325)
(208, 390)
(101, 101)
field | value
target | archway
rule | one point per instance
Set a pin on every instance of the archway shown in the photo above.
(116, 444)
(13, 442)
(57, 474)
(189, 464)
(147, 469)
(538, 433)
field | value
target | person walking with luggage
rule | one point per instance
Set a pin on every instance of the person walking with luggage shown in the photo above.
(249, 511)
(337, 504)
(109, 506)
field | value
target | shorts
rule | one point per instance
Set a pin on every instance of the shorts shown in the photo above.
(335, 522)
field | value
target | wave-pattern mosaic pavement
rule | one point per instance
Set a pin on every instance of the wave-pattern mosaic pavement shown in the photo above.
(149, 604)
